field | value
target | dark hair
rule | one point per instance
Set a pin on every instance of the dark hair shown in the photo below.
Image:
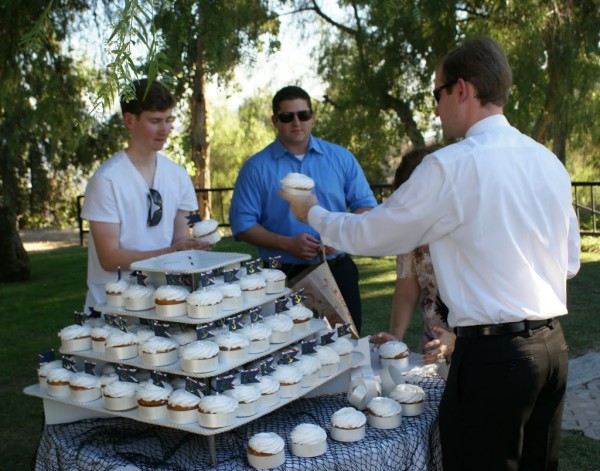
(409, 162)
(157, 98)
(482, 62)
(290, 92)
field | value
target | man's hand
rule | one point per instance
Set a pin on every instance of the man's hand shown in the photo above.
(300, 205)
(304, 246)
(190, 243)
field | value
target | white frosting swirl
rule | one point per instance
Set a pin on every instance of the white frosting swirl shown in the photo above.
(392, 349)
(252, 282)
(230, 290)
(348, 417)
(204, 227)
(57, 375)
(308, 365)
(288, 374)
(205, 297)
(221, 404)
(327, 355)
(384, 407)
(199, 350)
(75, 331)
(120, 389)
(144, 334)
(272, 274)
(299, 312)
(268, 385)
(102, 332)
(342, 346)
(108, 378)
(157, 344)
(266, 442)
(244, 393)
(183, 398)
(84, 380)
(257, 331)
(279, 323)
(308, 434)
(171, 293)
(298, 181)
(116, 286)
(232, 340)
(138, 292)
(184, 335)
(119, 339)
(49, 365)
(148, 391)
(408, 393)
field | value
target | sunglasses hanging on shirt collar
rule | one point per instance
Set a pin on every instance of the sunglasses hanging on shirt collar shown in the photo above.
(154, 208)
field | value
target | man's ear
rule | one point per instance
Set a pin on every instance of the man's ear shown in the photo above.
(128, 119)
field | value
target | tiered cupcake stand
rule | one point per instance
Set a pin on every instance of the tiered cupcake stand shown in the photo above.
(193, 263)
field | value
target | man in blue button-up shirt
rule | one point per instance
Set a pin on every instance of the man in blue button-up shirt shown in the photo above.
(260, 217)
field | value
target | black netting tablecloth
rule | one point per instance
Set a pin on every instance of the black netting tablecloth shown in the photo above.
(123, 444)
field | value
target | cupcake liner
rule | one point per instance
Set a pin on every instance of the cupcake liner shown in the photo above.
(410, 409)
(309, 451)
(270, 400)
(347, 435)
(98, 345)
(281, 337)
(125, 352)
(328, 370)
(141, 304)
(115, 300)
(159, 359)
(228, 356)
(266, 462)
(182, 417)
(253, 296)
(120, 403)
(259, 346)
(200, 365)
(203, 312)
(289, 390)
(58, 390)
(85, 395)
(229, 304)
(154, 412)
(384, 423)
(216, 420)
(76, 345)
(246, 409)
(275, 286)
(171, 310)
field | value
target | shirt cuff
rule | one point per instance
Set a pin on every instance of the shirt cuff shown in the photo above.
(315, 215)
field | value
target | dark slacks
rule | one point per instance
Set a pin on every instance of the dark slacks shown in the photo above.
(503, 401)
(345, 273)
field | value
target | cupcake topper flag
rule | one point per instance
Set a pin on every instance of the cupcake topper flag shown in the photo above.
(275, 262)
(249, 376)
(266, 366)
(308, 346)
(158, 378)
(111, 320)
(343, 330)
(161, 329)
(297, 297)
(229, 276)
(195, 386)
(68, 363)
(181, 279)
(119, 273)
(255, 314)
(122, 324)
(80, 317)
(224, 383)
(252, 267)
(233, 323)
(140, 277)
(89, 367)
(193, 218)
(126, 373)
(327, 338)
(288, 357)
(46, 357)
(281, 305)
(203, 331)
(206, 279)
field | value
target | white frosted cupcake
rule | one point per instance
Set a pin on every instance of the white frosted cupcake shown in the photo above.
(329, 358)
(308, 440)
(169, 301)
(57, 380)
(138, 298)
(99, 336)
(266, 450)
(232, 296)
(394, 353)
(200, 356)
(411, 397)
(142, 334)
(43, 371)
(182, 407)
(344, 348)
(384, 413)
(114, 292)
(301, 316)
(152, 400)
(159, 351)
(259, 335)
(204, 303)
(309, 366)
(120, 396)
(275, 280)
(217, 411)
(290, 378)
(348, 425)
(76, 338)
(84, 387)
(248, 397)
(253, 288)
(106, 379)
(207, 230)
(121, 346)
(281, 327)
(232, 346)
(270, 391)
(297, 184)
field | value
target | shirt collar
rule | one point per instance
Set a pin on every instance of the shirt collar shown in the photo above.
(486, 124)
(279, 150)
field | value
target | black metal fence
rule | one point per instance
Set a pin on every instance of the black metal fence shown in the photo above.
(586, 200)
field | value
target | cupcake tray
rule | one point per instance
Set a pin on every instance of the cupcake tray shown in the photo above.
(224, 366)
(189, 261)
(268, 303)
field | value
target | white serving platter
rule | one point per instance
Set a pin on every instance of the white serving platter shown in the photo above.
(189, 261)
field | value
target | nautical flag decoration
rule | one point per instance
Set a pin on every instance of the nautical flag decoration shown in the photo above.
(217, 271)
(126, 373)
(46, 357)
(249, 376)
(266, 366)
(80, 317)
(254, 314)
(342, 330)
(158, 378)
(308, 346)
(161, 329)
(297, 297)
(68, 363)
(252, 267)
(206, 279)
(224, 383)
(327, 338)
(145, 321)
(195, 386)
(229, 276)
(93, 314)
(119, 273)
(89, 367)
(111, 320)
(122, 324)
(281, 305)
(179, 279)
(140, 278)
(275, 262)
(220, 323)
(288, 357)
(234, 323)
(203, 331)
(193, 218)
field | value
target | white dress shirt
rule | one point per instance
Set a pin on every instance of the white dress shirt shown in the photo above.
(496, 212)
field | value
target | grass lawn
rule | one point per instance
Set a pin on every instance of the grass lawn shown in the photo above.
(34, 311)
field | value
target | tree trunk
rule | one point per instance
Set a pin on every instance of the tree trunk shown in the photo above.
(15, 261)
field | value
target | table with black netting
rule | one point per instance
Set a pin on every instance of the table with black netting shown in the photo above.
(123, 444)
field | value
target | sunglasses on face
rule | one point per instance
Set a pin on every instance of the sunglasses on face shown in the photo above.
(437, 92)
(288, 116)
(154, 208)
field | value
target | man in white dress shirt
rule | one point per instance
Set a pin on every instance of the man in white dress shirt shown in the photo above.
(495, 209)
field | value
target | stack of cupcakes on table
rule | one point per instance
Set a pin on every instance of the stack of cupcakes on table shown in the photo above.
(266, 450)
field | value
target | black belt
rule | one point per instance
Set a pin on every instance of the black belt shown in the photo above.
(502, 329)
(331, 261)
